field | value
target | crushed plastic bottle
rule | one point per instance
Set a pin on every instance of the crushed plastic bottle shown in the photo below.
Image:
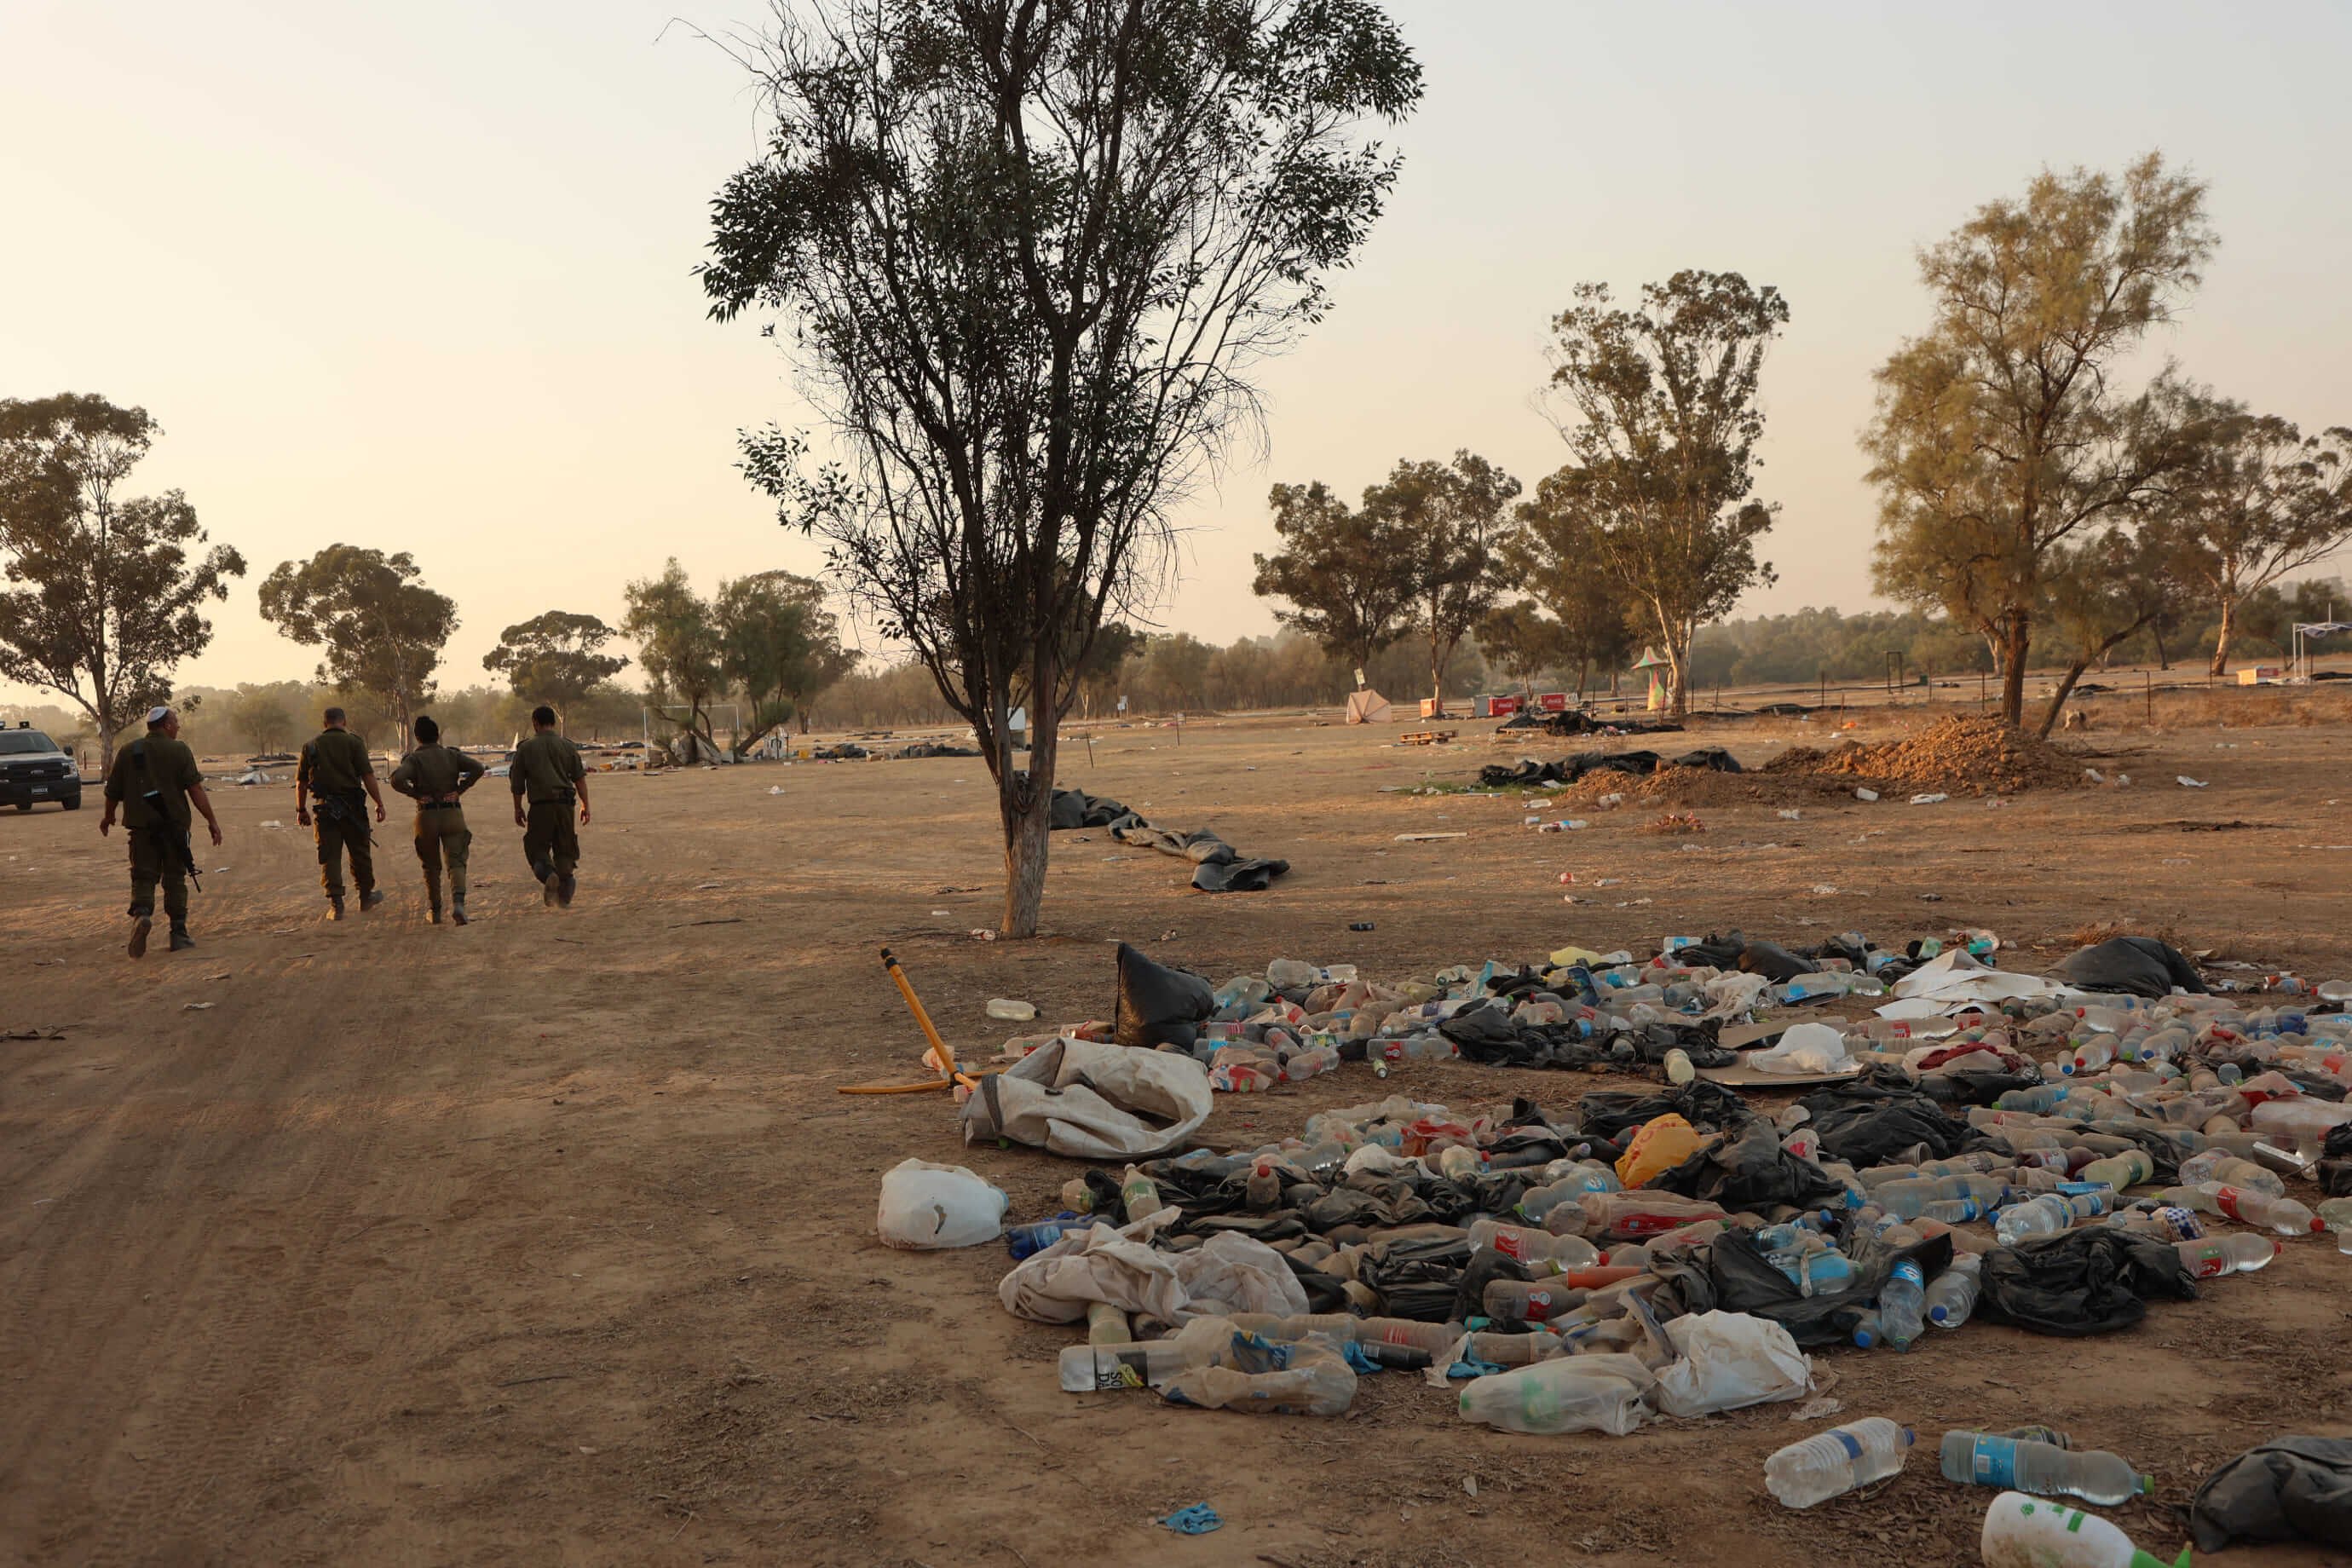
(1833, 1463)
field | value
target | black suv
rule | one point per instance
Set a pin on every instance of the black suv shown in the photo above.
(33, 769)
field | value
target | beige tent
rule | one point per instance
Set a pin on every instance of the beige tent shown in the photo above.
(1367, 707)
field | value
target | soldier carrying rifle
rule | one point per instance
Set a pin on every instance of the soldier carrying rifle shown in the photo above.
(154, 780)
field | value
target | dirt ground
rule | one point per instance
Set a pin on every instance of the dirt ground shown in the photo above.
(548, 1240)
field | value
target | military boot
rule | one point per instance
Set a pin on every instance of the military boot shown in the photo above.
(334, 906)
(458, 907)
(181, 940)
(141, 925)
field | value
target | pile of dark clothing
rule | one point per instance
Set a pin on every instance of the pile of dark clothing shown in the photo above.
(1218, 867)
(1577, 722)
(1529, 771)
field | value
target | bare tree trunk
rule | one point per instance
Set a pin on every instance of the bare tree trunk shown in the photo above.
(2066, 689)
(2017, 638)
(105, 743)
(2221, 640)
(1024, 803)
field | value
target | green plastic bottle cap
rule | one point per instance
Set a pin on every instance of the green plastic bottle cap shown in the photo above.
(2147, 1485)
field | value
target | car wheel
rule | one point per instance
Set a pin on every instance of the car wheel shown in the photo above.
(71, 803)
(23, 805)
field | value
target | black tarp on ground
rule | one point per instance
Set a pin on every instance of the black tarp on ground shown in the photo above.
(1705, 1105)
(1734, 950)
(1748, 1169)
(2133, 965)
(2082, 1283)
(1871, 1121)
(1218, 867)
(1577, 722)
(1731, 1274)
(1534, 772)
(2290, 1489)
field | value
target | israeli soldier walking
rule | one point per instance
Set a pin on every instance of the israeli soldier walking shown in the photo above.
(437, 775)
(335, 769)
(546, 771)
(154, 779)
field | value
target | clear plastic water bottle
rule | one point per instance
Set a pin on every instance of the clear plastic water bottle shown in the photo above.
(2240, 1252)
(1833, 1463)
(1678, 1067)
(1979, 1458)
(1952, 1295)
(2223, 1166)
(1028, 1240)
(2045, 1216)
(1902, 1304)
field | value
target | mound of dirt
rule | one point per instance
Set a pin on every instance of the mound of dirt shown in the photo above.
(1977, 756)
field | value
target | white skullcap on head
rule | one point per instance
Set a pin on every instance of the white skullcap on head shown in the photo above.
(157, 715)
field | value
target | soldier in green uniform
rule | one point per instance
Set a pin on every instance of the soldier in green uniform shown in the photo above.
(154, 779)
(435, 776)
(335, 768)
(546, 769)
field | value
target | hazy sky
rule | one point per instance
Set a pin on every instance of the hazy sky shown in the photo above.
(416, 276)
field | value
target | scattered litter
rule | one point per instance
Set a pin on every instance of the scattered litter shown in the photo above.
(2187, 783)
(1425, 837)
(982, 933)
(925, 1206)
(775, 789)
(222, 975)
(196, 1007)
(1010, 1011)
(1359, 925)
(1929, 799)
(273, 823)
(1865, 794)
(1793, 815)
(1198, 1519)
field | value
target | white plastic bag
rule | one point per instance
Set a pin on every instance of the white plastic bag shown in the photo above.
(1230, 1273)
(1595, 1393)
(1098, 1263)
(926, 1206)
(1730, 1360)
(1804, 1050)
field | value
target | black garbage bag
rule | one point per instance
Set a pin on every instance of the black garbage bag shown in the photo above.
(1417, 1279)
(2334, 1171)
(1773, 962)
(1730, 1274)
(2135, 965)
(1526, 1148)
(1324, 1293)
(1973, 1088)
(2290, 1489)
(1746, 1169)
(1870, 1120)
(1709, 1106)
(2082, 1283)
(1713, 759)
(1159, 1005)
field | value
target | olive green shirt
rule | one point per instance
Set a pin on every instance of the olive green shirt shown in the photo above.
(545, 767)
(436, 773)
(335, 764)
(170, 770)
